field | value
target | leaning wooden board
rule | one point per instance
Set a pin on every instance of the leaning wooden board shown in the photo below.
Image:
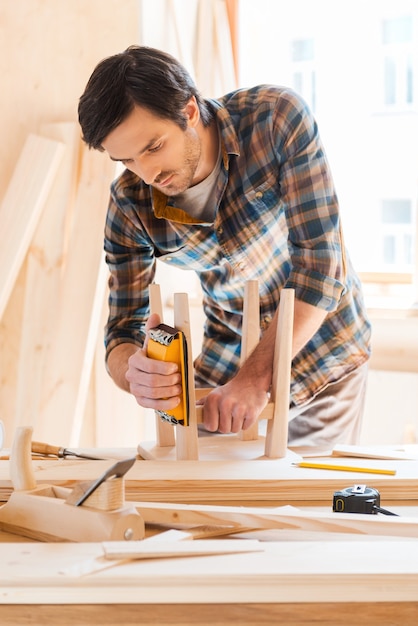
(259, 482)
(288, 582)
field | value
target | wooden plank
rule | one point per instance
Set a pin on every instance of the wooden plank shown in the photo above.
(68, 370)
(116, 550)
(401, 453)
(44, 266)
(257, 482)
(331, 613)
(173, 515)
(286, 572)
(22, 206)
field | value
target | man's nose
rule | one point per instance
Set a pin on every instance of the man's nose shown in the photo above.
(148, 173)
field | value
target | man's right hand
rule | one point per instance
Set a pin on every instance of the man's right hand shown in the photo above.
(154, 384)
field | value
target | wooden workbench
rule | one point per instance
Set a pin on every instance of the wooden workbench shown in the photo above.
(290, 582)
(298, 578)
(259, 482)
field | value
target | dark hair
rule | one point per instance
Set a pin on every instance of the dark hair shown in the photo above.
(140, 76)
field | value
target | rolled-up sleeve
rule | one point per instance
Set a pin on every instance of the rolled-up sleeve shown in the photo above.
(315, 239)
(131, 262)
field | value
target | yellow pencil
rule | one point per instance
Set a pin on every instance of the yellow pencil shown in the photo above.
(346, 468)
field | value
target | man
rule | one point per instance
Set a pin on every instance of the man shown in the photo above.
(237, 188)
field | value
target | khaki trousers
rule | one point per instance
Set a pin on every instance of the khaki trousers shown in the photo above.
(333, 416)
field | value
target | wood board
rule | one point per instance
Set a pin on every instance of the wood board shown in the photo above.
(44, 266)
(285, 572)
(259, 482)
(22, 205)
(283, 517)
(80, 302)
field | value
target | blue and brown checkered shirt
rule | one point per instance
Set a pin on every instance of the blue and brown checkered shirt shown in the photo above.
(277, 220)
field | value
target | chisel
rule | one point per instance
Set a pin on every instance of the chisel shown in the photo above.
(45, 449)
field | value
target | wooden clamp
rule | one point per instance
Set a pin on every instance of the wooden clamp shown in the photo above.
(51, 513)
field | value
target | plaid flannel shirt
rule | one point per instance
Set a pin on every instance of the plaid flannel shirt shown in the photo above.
(277, 220)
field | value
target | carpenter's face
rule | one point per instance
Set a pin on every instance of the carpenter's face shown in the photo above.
(158, 150)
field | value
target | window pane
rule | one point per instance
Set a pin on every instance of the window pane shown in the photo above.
(396, 212)
(303, 50)
(389, 249)
(408, 249)
(397, 30)
(409, 81)
(298, 82)
(390, 81)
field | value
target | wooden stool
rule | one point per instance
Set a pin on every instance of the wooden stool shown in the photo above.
(185, 440)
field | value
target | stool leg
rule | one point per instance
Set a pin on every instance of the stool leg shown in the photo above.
(250, 338)
(277, 428)
(186, 437)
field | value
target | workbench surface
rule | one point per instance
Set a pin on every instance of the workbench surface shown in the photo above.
(297, 577)
(289, 581)
(263, 482)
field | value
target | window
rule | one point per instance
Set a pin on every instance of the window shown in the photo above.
(303, 61)
(397, 50)
(358, 71)
(397, 242)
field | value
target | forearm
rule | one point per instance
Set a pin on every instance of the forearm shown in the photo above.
(117, 363)
(258, 368)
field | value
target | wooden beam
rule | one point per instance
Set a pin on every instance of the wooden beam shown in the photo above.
(22, 206)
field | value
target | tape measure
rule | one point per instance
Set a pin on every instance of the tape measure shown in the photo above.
(357, 499)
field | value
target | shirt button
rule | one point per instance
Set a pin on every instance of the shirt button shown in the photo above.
(267, 319)
(259, 194)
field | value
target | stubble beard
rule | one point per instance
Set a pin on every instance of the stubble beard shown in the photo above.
(183, 178)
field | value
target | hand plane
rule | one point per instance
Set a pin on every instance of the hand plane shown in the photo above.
(89, 512)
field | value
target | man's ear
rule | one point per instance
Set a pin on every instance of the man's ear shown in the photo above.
(192, 112)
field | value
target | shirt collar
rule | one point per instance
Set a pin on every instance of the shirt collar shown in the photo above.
(230, 146)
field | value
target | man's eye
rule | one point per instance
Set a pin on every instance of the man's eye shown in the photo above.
(155, 148)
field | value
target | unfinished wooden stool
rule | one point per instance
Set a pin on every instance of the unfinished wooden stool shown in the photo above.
(182, 442)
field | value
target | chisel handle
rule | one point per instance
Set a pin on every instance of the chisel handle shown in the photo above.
(45, 449)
